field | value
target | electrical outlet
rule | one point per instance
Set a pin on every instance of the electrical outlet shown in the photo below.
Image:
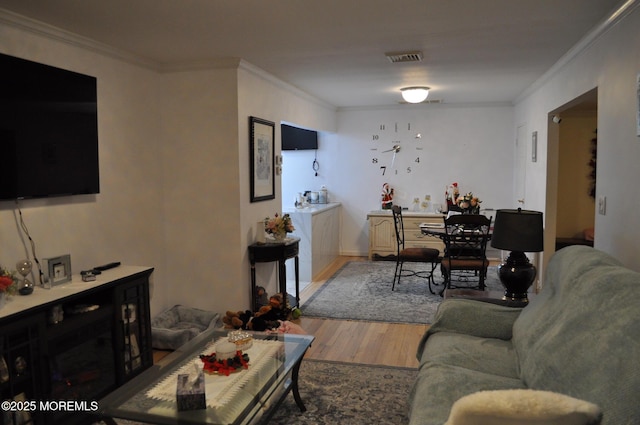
(602, 205)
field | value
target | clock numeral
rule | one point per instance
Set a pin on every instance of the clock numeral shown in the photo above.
(408, 169)
(374, 160)
(384, 169)
(382, 127)
(409, 126)
(417, 159)
(376, 137)
(396, 129)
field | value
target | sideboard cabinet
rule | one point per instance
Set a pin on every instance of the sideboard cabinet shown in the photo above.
(77, 341)
(382, 234)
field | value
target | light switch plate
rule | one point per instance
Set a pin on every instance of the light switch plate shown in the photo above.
(602, 205)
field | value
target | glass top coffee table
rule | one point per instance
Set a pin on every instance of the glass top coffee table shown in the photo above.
(248, 396)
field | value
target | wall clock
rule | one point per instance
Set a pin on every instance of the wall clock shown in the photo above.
(396, 148)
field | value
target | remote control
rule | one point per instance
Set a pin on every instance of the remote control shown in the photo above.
(106, 267)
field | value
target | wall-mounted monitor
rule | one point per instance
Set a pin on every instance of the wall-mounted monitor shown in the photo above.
(295, 138)
(48, 131)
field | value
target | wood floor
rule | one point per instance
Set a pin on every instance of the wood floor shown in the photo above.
(390, 344)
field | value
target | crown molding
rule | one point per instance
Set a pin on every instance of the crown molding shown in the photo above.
(53, 33)
(625, 9)
(252, 69)
(441, 105)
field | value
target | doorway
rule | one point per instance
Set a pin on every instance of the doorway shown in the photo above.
(574, 127)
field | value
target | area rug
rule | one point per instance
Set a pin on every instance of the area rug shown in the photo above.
(345, 394)
(361, 290)
(348, 394)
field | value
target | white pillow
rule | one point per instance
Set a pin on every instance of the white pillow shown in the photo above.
(522, 407)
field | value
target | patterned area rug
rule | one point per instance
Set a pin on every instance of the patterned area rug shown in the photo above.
(361, 290)
(348, 394)
(345, 394)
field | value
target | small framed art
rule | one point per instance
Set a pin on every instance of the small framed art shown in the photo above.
(261, 151)
(58, 270)
(534, 146)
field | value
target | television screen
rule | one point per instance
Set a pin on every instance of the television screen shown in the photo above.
(294, 138)
(48, 131)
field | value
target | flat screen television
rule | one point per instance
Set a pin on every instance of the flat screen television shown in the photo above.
(294, 138)
(48, 131)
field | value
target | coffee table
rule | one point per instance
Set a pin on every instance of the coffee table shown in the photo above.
(252, 398)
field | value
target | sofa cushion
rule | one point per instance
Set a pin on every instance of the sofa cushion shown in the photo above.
(581, 336)
(487, 355)
(471, 317)
(439, 385)
(520, 407)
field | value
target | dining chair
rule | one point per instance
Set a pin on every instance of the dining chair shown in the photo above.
(411, 254)
(465, 250)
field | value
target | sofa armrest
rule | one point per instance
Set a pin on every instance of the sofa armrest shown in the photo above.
(472, 317)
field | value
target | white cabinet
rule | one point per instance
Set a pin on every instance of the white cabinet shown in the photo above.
(318, 228)
(382, 235)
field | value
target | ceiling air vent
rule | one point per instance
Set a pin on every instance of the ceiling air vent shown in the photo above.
(398, 57)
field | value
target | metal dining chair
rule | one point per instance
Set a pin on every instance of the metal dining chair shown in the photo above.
(411, 254)
(465, 250)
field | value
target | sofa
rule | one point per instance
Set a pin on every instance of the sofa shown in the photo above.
(576, 342)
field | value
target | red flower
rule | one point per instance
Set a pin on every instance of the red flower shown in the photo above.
(5, 282)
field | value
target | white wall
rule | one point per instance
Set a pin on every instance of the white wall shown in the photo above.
(174, 173)
(610, 63)
(124, 222)
(472, 145)
(263, 96)
(201, 189)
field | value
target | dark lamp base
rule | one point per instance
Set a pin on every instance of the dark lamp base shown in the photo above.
(516, 275)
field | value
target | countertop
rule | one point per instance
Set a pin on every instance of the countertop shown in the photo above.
(312, 208)
(406, 213)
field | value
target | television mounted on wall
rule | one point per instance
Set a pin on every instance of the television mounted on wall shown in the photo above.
(48, 131)
(295, 138)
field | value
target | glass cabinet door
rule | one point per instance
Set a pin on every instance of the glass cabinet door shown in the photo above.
(132, 310)
(21, 355)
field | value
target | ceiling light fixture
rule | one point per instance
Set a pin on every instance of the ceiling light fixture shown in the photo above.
(415, 94)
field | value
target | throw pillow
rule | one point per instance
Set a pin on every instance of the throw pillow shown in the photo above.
(522, 407)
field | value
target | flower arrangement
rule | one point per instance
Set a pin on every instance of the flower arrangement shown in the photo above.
(278, 226)
(7, 281)
(469, 204)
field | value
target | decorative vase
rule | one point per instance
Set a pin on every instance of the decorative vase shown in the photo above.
(279, 237)
(3, 299)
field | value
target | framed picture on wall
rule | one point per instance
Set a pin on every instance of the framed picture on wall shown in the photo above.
(261, 151)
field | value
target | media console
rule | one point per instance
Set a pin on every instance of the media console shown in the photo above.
(75, 342)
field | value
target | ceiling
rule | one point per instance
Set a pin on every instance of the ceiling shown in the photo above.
(473, 51)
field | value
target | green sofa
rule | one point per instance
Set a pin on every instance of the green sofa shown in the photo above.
(579, 337)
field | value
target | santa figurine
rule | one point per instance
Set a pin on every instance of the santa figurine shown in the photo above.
(387, 196)
(451, 195)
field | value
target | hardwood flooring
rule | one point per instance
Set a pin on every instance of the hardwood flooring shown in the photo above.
(352, 341)
(390, 344)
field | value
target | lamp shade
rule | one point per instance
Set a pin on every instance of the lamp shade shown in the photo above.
(518, 230)
(415, 94)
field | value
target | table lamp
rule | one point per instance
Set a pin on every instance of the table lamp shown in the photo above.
(518, 231)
